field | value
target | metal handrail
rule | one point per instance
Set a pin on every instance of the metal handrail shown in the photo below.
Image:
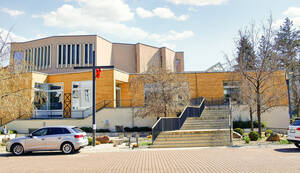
(175, 123)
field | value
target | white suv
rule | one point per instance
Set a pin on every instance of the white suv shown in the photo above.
(294, 133)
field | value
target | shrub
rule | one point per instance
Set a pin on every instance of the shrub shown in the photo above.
(0, 132)
(90, 140)
(268, 132)
(102, 130)
(253, 136)
(137, 129)
(246, 139)
(12, 132)
(284, 141)
(247, 124)
(239, 130)
(87, 129)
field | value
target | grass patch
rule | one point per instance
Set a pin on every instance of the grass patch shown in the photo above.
(145, 143)
(284, 141)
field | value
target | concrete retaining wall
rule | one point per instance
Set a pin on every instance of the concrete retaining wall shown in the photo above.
(107, 118)
(275, 118)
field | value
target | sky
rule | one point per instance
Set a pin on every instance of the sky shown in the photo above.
(205, 30)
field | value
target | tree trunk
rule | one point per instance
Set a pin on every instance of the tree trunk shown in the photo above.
(259, 115)
(251, 118)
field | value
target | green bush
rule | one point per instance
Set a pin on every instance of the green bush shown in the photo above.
(268, 132)
(247, 124)
(87, 129)
(90, 140)
(0, 132)
(137, 129)
(246, 139)
(12, 132)
(284, 141)
(239, 130)
(253, 136)
(102, 130)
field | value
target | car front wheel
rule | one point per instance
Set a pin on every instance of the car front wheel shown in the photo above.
(67, 148)
(17, 149)
(297, 145)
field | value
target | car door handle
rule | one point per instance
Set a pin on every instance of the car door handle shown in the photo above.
(43, 139)
(59, 138)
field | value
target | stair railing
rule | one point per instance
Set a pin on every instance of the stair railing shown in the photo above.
(175, 123)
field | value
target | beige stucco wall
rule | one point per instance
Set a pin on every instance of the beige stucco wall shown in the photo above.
(124, 57)
(115, 116)
(277, 117)
(147, 56)
(103, 52)
(168, 59)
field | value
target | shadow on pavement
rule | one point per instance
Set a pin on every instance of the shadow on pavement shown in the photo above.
(37, 154)
(288, 150)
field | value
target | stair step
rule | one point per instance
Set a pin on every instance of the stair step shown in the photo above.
(192, 138)
(200, 128)
(191, 145)
(192, 141)
(206, 122)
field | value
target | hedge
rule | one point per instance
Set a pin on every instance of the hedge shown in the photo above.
(137, 129)
(247, 124)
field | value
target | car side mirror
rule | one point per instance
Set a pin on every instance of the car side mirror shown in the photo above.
(30, 135)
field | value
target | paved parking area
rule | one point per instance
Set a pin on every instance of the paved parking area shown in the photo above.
(220, 159)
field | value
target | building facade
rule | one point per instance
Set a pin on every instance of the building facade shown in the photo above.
(68, 92)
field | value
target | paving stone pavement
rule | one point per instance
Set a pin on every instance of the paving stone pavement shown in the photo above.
(219, 159)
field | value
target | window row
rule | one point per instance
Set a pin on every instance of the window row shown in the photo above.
(38, 58)
(74, 54)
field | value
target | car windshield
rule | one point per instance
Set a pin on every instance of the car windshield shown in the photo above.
(77, 130)
(296, 123)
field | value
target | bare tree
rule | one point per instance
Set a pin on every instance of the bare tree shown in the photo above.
(15, 84)
(259, 75)
(166, 93)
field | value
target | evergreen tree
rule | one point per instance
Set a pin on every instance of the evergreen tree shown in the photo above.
(287, 45)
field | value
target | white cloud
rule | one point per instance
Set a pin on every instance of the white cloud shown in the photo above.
(12, 12)
(171, 36)
(198, 2)
(12, 37)
(104, 16)
(144, 13)
(293, 13)
(164, 13)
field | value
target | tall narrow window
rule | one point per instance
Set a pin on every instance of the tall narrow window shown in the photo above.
(59, 54)
(86, 53)
(73, 54)
(64, 54)
(38, 57)
(42, 57)
(69, 54)
(49, 54)
(45, 56)
(29, 56)
(77, 53)
(35, 57)
(26, 56)
(91, 53)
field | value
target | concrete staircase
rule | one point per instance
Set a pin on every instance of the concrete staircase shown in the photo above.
(211, 129)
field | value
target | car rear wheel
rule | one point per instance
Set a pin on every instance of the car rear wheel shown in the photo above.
(67, 148)
(17, 149)
(297, 145)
